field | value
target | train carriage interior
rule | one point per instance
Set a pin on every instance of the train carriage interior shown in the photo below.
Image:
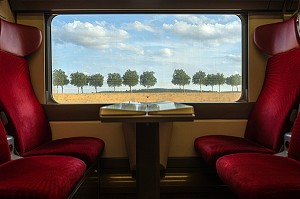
(149, 99)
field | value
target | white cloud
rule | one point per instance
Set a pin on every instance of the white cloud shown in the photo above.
(138, 26)
(136, 49)
(89, 35)
(206, 31)
(234, 57)
(195, 19)
(166, 52)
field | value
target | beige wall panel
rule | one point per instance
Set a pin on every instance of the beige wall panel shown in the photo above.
(184, 134)
(257, 60)
(182, 139)
(36, 60)
(5, 11)
(111, 134)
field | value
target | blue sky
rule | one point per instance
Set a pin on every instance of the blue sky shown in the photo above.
(114, 43)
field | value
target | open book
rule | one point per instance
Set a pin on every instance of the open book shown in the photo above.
(151, 108)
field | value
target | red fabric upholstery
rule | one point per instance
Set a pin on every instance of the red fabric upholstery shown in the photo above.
(17, 97)
(262, 175)
(4, 149)
(19, 39)
(40, 177)
(85, 148)
(215, 146)
(280, 93)
(278, 37)
(268, 120)
(31, 127)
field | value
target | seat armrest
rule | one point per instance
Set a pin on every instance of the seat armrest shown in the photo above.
(286, 143)
(287, 139)
(10, 140)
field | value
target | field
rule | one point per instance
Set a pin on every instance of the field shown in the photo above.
(147, 97)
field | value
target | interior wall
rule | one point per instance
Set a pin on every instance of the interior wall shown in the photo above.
(184, 133)
(5, 11)
(257, 60)
(37, 59)
(182, 139)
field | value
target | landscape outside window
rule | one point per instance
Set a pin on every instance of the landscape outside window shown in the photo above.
(106, 58)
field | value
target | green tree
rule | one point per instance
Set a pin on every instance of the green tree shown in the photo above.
(234, 80)
(114, 80)
(180, 78)
(79, 80)
(59, 78)
(96, 80)
(130, 78)
(148, 79)
(220, 80)
(211, 81)
(199, 78)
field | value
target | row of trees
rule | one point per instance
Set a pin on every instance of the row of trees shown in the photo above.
(147, 79)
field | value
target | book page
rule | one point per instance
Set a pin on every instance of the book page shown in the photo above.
(169, 108)
(151, 108)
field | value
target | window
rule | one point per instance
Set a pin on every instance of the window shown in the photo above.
(106, 58)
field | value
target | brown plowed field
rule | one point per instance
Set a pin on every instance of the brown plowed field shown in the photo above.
(148, 97)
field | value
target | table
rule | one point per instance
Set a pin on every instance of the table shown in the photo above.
(147, 149)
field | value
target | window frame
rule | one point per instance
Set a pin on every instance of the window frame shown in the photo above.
(203, 110)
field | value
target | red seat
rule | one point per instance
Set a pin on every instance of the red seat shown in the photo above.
(269, 118)
(28, 122)
(255, 176)
(40, 177)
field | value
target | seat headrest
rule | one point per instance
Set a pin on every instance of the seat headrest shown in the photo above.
(20, 40)
(278, 37)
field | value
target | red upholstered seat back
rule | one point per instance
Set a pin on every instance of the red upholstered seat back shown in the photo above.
(18, 39)
(268, 120)
(278, 37)
(31, 127)
(4, 149)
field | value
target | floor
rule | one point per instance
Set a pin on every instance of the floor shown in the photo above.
(179, 183)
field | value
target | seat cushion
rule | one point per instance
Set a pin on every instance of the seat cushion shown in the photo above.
(40, 177)
(212, 147)
(260, 176)
(87, 149)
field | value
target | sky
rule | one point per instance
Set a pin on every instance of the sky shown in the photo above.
(114, 43)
